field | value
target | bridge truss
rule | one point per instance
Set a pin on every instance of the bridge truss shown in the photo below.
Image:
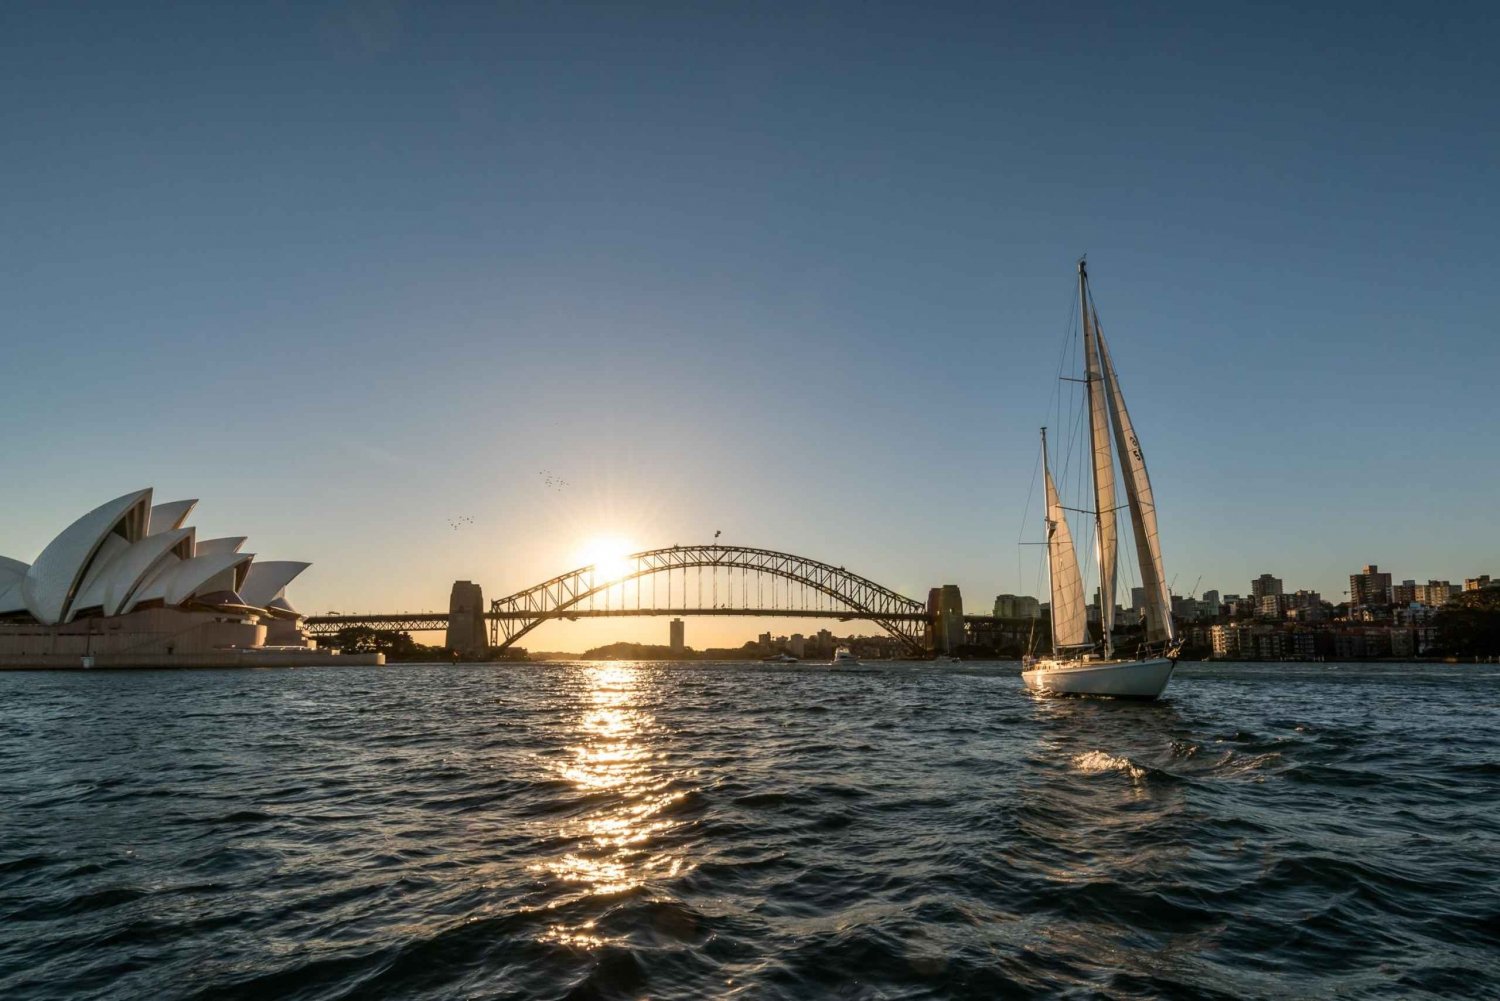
(709, 580)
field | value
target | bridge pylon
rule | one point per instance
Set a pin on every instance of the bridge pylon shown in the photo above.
(466, 627)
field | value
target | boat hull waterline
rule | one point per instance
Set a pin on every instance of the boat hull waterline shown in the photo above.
(1125, 679)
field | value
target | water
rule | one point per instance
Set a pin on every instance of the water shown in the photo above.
(692, 831)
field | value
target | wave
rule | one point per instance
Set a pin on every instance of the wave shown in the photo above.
(1095, 762)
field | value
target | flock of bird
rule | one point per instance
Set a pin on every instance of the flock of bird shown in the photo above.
(550, 480)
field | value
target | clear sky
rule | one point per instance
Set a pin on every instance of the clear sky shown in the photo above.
(798, 272)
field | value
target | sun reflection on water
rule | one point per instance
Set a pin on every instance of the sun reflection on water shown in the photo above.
(617, 766)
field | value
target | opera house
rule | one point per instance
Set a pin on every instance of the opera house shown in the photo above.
(129, 585)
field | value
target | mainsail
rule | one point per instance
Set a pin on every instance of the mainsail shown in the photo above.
(1159, 625)
(1104, 465)
(1069, 618)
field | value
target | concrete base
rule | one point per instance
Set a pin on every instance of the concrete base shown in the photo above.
(165, 637)
(214, 659)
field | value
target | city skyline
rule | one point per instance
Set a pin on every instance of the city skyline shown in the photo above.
(433, 295)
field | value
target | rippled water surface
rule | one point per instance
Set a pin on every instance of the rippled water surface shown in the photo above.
(690, 831)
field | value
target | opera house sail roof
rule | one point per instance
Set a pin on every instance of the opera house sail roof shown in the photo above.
(129, 554)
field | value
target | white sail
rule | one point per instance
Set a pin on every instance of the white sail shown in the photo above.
(1104, 467)
(1069, 618)
(1159, 625)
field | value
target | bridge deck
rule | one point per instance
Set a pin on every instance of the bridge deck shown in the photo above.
(416, 622)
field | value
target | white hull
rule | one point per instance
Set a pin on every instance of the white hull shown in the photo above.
(1131, 679)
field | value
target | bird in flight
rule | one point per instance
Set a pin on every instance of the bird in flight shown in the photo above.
(718, 533)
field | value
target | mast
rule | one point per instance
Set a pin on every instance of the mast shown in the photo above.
(1105, 532)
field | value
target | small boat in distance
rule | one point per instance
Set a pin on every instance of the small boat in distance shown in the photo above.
(1078, 666)
(780, 658)
(843, 658)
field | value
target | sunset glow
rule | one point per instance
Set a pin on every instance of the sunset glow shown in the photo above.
(608, 555)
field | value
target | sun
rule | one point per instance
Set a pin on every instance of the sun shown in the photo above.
(607, 555)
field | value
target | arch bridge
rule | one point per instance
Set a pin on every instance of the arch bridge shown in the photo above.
(709, 580)
(684, 581)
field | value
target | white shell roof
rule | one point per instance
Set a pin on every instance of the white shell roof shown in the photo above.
(111, 549)
(267, 579)
(224, 580)
(112, 587)
(177, 581)
(11, 571)
(52, 579)
(10, 598)
(127, 552)
(169, 515)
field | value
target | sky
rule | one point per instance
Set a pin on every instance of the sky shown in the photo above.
(800, 274)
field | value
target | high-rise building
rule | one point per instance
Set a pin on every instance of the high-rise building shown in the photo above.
(1435, 593)
(1211, 599)
(1265, 585)
(1477, 583)
(1304, 599)
(797, 645)
(678, 637)
(1271, 606)
(1137, 599)
(1404, 593)
(1369, 588)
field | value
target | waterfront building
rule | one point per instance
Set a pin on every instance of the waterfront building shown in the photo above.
(1369, 588)
(796, 645)
(677, 637)
(1225, 640)
(1265, 584)
(130, 584)
(1016, 606)
(1414, 614)
(1302, 643)
(1358, 643)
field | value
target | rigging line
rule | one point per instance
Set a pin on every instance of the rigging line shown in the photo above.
(1054, 399)
(1036, 468)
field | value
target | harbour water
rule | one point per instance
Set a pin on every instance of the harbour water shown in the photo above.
(685, 831)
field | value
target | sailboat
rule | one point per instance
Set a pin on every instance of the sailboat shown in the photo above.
(1078, 666)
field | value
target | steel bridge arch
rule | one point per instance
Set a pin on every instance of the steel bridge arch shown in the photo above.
(516, 615)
